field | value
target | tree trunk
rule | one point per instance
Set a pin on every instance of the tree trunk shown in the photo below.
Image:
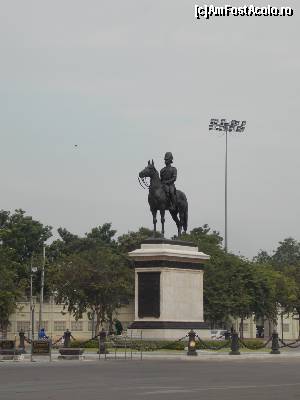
(110, 321)
(242, 328)
(3, 329)
(298, 311)
(97, 326)
(100, 317)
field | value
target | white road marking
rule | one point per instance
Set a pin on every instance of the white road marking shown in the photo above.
(155, 392)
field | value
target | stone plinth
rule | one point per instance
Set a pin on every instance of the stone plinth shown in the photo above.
(13, 355)
(168, 289)
(69, 353)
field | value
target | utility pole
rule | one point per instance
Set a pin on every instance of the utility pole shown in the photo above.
(224, 126)
(32, 305)
(42, 289)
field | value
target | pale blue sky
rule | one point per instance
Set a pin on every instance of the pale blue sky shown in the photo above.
(130, 80)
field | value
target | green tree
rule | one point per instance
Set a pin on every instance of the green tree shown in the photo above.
(132, 240)
(292, 303)
(216, 299)
(11, 287)
(287, 253)
(22, 233)
(94, 281)
(272, 289)
(208, 241)
(102, 234)
(262, 258)
(285, 262)
(68, 243)
(233, 286)
(216, 293)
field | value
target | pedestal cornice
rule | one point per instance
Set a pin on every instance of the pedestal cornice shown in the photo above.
(172, 254)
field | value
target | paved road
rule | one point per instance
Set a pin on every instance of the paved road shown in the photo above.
(151, 379)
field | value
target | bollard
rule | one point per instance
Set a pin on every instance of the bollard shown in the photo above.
(192, 344)
(275, 343)
(141, 345)
(22, 342)
(131, 344)
(102, 342)
(67, 338)
(125, 355)
(235, 345)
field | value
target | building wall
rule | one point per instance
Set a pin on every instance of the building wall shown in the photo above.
(286, 326)
(249, 324)
(56, 320)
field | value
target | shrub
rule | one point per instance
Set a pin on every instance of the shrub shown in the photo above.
(216, 344)
(254, 344)
(87, 345)
(152, 345)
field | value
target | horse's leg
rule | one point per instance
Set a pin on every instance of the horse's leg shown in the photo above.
(185, 220)
(182, 219)
(154, 212)
(162, 218)
(177, 222)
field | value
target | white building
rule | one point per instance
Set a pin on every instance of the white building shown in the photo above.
(56, 320)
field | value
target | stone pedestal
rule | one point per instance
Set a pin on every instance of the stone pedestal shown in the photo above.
(68, 353)
(168, 289)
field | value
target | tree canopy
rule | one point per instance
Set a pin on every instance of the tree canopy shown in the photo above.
(11, 287)
(95, 280)
(286, 259)
(22, 233)
(92, 273)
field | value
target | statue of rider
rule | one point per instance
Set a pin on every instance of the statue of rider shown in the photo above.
(168, 176)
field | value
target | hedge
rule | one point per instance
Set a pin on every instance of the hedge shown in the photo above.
(152, 345)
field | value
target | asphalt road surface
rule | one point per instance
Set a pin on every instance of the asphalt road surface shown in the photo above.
(151, 380)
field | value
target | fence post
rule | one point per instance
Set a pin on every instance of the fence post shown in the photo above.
(31, 350)
(235, 345)
(126, 346)
(22, 341)
(67, 338)
(131, 344)
(141, 345)
(99, 351)
(192, 344)
(275, 343)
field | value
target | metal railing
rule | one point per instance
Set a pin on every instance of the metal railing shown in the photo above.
(135, 346)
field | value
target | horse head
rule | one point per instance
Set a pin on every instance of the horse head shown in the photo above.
(149, 171)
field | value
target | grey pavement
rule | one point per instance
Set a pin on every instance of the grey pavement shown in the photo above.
(274, 377)
(178, 355)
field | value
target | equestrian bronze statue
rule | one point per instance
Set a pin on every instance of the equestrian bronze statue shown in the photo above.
(164, 196)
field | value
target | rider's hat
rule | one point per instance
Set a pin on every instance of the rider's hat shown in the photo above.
(169, 156)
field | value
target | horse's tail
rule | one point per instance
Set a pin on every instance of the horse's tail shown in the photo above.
(185, 218)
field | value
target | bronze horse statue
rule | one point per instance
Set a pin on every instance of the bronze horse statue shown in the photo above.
(158, 199)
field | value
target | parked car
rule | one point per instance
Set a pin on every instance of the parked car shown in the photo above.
(218, 334)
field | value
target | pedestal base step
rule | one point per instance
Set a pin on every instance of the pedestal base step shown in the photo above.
(67, 353)
(16, 357)
(166, 334)
(78, 357)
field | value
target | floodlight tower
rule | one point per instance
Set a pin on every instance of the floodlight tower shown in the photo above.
(223, 125)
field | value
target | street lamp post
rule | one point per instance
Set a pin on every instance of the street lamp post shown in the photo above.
(32, 306)
(42, 289)
(223, 125)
